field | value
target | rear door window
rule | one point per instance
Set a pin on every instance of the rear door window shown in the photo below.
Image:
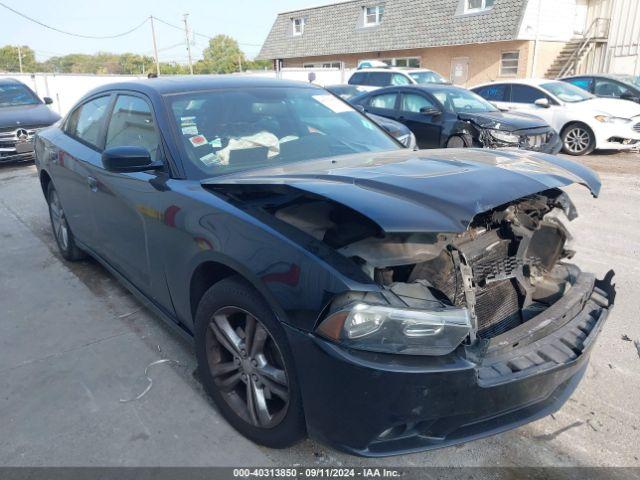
(358, 78)
(85, 123)
(379, 79)
(386, 101)
(494, 93)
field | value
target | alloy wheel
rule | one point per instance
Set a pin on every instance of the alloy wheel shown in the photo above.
(59, 221)
(577, 140)
(247, 367)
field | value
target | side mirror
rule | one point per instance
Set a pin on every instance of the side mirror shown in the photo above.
(430, 111)
(360, 108)
(47, 100)
(128, 159)
(542, 102)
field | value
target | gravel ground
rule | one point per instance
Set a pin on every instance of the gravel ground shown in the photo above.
(73, 342)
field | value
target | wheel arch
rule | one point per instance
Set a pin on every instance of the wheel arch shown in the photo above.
(45, 181)
(210, 270)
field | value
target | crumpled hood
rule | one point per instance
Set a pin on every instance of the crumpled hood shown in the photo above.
(507, 121)
(427, 190)
(27, 116)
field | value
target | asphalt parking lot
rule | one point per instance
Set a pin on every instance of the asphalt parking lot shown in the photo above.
(74, 343)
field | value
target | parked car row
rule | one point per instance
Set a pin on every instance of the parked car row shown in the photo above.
(318, 266)
(541, 115)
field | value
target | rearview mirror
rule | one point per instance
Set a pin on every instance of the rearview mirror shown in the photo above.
(430, 111)
(542, 102)
(47, 100)
(128, 159)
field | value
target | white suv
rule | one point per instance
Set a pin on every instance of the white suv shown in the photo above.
(372, 78)
(584, 121)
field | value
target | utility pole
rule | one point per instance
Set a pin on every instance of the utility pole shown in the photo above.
(20, 57)
(240, 63)
(155, 46)
(186, 35)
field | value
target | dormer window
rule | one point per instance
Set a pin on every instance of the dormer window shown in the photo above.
(472, 6)
(298, 26)
(373, 15)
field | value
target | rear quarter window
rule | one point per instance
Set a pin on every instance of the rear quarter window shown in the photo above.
(493, 93)
(358, 78)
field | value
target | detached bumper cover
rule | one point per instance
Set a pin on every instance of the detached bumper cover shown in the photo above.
(376, 405)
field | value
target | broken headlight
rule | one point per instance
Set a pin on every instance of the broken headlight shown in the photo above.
(384, 329)
(505, 137)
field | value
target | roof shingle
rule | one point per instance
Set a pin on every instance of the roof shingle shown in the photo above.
(407, 24)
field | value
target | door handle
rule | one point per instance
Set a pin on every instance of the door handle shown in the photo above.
(93, 184)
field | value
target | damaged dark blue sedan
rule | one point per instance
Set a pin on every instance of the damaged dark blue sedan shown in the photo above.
(335, 284)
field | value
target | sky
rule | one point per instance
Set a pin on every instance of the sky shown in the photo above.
(248, 21)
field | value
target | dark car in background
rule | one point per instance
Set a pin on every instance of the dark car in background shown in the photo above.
(396, 129)
(22, 114)
(625, 87)
(335, 284)
(447, 116)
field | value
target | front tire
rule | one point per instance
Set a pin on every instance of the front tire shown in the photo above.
(456, 142)
(246, 366)
(61, 231)
(578, 139)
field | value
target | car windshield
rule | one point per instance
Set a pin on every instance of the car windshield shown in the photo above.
(14, 94)
(347, 92)
(566, 92)
(427, 77)
(229, 130)
(458, 100)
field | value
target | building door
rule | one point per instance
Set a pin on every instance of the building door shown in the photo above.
(459, 70)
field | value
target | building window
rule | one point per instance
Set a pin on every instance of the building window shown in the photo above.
(298, 26)
(509, 64)
(410, 62)
(471, 6)
(331, 64)
(373, 15)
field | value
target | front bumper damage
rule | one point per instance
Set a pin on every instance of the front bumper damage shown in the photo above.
(543, 140)
(378, 404)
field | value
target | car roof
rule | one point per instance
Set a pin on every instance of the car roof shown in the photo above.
(394, 69)
(536, 82)
(424, 87)
(171, 84)
(10, 81)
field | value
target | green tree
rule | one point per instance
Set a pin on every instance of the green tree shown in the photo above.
(258, 65)
(10, 61)
(223, 55)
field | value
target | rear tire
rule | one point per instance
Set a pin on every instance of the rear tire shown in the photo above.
(246, 366)
(61, 231)
(577, 139)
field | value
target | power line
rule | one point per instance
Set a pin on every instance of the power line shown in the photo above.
(201, 34)
(79, 35)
